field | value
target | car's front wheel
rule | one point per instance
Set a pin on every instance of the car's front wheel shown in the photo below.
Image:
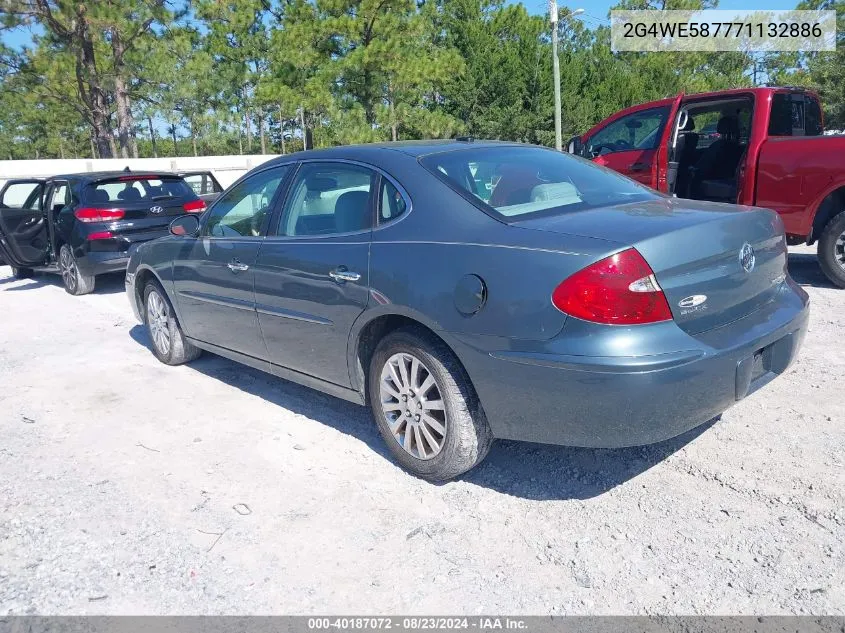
(426, 407)
(169, 343)
(832, 250)
(74, 281)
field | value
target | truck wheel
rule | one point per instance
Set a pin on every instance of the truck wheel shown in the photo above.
(831, 251)
(21, 273)
(425, 406)
(75, 282)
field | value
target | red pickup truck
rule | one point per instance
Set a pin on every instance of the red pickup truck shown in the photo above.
(754, 146)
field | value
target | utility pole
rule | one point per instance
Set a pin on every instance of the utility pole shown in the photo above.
(556, 72)
(556, 67)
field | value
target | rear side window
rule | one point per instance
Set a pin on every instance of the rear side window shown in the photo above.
(392, 203)
(795, 114)
(521, 182)
(129, 190)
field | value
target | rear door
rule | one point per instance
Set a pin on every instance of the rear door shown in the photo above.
(312, 276)
(629, 144)
(24, 238)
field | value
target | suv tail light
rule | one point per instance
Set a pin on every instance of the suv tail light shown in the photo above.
(89, 214)
(618, 290)
(194, 206)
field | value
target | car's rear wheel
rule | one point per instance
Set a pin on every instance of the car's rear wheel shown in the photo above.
(426, 407)
(74, 281)
(831, 250)
(168, 341)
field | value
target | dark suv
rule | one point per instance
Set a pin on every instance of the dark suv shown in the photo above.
(83, 225)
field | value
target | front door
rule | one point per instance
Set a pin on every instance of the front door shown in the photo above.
(214, 273)
(312, 275)
(24, 239)
(629, 144)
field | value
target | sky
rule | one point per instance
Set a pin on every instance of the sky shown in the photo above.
(595, 13)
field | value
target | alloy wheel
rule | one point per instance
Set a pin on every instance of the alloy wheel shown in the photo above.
(839, 250)
(67, 265)
(157, 320)
(413, 406)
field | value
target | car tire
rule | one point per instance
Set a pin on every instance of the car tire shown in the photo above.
(444, 441)
(22, 273)
(74, 281)
(166, 337)
(831, 250)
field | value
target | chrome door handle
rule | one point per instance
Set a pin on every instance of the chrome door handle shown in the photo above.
(237, 267)
(341, 275)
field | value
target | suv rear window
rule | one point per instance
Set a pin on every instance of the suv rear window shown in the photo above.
(521, 182)
(138, 189)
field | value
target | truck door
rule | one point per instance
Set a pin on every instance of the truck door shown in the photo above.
(666, 161)
(630, 144)
(24, 240)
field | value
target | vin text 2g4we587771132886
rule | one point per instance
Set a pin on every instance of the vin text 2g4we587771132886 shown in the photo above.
(467, 291)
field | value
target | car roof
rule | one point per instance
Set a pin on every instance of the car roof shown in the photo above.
(411, 148)
(96, 176)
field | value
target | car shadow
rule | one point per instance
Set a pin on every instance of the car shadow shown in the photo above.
(107, 284)
(520, 469)
(805, 269)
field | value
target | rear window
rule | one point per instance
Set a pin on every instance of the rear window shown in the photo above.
(138, 190)
(522, 182)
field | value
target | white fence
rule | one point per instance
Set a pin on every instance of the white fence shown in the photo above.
(226, 169)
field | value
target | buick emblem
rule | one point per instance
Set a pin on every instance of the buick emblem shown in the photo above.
(156, 210)
(747, 258)
(692, 301)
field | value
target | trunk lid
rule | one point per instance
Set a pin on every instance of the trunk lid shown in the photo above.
(696, 250)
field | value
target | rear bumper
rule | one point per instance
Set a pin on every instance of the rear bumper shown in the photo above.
(618, 401)
(98, 263)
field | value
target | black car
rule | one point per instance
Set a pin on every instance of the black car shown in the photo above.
(83, 225)
(204, 184)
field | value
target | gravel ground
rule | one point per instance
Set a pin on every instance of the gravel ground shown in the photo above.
(130, 487)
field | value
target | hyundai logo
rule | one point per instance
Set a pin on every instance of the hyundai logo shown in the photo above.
(747, 258)
(156, 210)
(692, 301)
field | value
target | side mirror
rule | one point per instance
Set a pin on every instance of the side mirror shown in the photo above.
(185, 225)
(574, 146)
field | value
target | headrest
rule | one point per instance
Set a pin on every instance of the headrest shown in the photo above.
(689, 126)
(728, 126)
(560, 192)
(129, 194)
(351, 211)
(100, 195)
(320, 183)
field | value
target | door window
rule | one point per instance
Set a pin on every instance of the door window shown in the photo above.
(639, 130)
(244, 208)
(328, 198)
(22, 195)
(795, 115)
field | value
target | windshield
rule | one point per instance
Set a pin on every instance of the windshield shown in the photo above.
(518, 182)
(139, 189)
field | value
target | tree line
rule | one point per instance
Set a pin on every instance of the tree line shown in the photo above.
(130, 78)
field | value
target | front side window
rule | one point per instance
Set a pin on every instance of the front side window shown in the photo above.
(639, 130)
(521, 182)
(328, 198)
(23, 195)
(244, 208)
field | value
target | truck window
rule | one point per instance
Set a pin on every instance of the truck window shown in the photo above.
(795, 114)
(638, 130)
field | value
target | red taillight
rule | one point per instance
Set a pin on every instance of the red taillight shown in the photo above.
(194, 206)
(618, 290)
(89, 214)
(100, 235)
